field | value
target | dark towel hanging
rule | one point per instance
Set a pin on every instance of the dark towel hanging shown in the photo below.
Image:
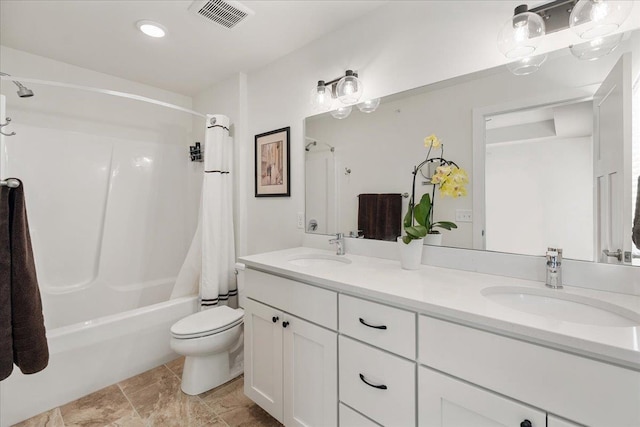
(379, 215)
(25, 335)
(636, 219)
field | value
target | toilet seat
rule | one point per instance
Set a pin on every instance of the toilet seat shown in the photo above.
(208, 322)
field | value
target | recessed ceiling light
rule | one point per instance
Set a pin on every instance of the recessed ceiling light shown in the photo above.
(152, 29)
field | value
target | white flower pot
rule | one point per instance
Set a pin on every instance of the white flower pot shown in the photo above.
(433, 239)
(410, 254)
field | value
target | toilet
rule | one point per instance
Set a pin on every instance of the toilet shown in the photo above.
(212, 343)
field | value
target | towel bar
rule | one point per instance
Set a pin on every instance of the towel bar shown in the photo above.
(11, 183)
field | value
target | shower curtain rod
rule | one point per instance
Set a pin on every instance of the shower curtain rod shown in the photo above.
(104, 91)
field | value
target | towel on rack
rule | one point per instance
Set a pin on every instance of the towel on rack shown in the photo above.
(27, 330)
(636, 219)
(6, 337)
(379, 215)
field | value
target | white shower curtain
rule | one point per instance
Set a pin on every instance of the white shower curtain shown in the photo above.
(211, 257)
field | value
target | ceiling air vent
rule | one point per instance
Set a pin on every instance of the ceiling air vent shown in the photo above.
(226, 13)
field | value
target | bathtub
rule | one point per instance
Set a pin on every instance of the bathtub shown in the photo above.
(90, 355)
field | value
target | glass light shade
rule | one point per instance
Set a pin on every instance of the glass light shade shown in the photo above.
(520, 35)
(527, 65)
(592, 19)
(596, 48)
(342, 112)
(321, 97)
(369, 106)
(349, 89)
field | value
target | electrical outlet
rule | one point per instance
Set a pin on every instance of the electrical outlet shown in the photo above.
(300, 219)
(464, 215)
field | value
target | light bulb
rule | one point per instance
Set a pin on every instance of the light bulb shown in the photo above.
(520, 35)
(349, 88)
(321, 99)
(152, 29)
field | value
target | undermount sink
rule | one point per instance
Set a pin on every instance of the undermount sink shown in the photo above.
(311, 260)
(562, 306)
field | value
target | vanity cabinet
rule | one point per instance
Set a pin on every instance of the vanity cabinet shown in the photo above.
(377, 373)
(448, 402)
(291, 363)
(577, 389)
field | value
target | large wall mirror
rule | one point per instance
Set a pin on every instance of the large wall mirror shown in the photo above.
(553, 157)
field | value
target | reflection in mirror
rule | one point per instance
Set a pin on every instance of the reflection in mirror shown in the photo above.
(545, 178)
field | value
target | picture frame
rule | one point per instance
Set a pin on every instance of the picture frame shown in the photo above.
(272, 168)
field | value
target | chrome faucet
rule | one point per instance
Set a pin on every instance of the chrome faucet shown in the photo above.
(339, 241)
(554, 268)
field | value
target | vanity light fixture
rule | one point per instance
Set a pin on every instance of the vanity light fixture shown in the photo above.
(152, 29)
(596, 48)
(341, 112)
(347, 89)
(520, 35)
(369, 106)
(527, 65)
(592, 19)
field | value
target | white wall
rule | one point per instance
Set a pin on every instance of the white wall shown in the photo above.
(399, 46)
(539, 193)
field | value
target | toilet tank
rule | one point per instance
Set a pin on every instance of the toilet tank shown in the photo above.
(240, 275)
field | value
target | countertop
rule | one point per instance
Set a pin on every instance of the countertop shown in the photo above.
(456, 296)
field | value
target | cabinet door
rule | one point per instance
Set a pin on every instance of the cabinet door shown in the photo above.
(446, 402)
(263, 357)
(310, 374)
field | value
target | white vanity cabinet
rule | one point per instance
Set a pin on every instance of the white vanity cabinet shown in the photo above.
(291, 364)
(448, 402)
(377, 373)
(585, 391)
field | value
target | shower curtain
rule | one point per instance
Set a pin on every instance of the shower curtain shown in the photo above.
(211, 257)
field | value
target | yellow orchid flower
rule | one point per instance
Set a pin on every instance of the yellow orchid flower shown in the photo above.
(432, 141)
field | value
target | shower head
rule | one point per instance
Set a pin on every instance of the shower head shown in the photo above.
(23, 91)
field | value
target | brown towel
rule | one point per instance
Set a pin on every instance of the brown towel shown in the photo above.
(6, 337)
(379, 215)
(635, 236)
(29, 341)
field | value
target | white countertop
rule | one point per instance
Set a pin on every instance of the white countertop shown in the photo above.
(455, 295)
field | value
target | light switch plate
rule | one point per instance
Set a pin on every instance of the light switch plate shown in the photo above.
(300, 219)
(464, 215)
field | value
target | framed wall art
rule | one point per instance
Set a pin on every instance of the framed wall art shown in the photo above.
(272, 163)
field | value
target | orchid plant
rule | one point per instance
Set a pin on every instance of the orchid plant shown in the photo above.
(449, 178)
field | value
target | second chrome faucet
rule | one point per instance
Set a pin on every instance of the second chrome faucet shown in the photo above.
(554, 268)
(339, 241)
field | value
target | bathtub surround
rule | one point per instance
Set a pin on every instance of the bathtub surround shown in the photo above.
(211, 256)
(22, 327)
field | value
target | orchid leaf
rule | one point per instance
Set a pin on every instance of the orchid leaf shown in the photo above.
(416, 231)
(422, 210)
(447, 225)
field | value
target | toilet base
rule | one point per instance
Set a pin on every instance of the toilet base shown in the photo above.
(201, 374)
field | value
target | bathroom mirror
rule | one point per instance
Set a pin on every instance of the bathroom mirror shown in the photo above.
(527, 143)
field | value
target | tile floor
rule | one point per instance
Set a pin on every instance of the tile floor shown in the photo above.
(154, 399)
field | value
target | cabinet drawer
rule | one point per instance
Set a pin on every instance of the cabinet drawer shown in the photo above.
(386, 327)
(309, 302)
(573, 387)
(393, 401)
(351, 418)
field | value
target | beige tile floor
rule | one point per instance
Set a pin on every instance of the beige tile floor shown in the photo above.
(154, 399)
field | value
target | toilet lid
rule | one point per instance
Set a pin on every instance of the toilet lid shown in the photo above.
(207, 322)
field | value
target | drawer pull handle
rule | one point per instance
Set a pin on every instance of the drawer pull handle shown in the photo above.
(525, 423)
(364, 380)
(372, 326)
(285, 324)
(274, 319)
